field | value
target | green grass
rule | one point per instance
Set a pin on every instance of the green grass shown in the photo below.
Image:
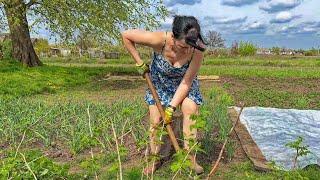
(245, 170)
(17, 80)
(50, 105)
(121, 60)
(279, 61)
(260, 71)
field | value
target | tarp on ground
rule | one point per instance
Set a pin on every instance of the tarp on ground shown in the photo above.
(273, 128)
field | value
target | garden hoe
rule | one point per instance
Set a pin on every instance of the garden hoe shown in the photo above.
(167, 124)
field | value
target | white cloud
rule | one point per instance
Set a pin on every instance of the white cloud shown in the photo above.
(171, 3)
(284, 17)
(273, 6)
(301, 28)
(224, 20)
(256, 27)
(238, 3)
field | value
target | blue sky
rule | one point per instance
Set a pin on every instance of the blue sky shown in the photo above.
(266, 23)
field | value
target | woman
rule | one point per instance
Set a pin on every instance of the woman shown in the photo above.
(176, 61)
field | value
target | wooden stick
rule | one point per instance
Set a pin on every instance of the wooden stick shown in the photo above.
(215, 166)
(160, 108)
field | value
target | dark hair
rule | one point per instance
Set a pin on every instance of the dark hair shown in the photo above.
(187, 27)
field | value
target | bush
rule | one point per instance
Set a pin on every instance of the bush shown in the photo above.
(219, 52)
(247, 49)
(6, 47)
(311, 52)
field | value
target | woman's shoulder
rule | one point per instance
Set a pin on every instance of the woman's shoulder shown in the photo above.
(153, 39)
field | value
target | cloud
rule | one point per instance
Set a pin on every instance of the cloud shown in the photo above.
(302, 28)
(273, 6)
(253, 28)
(237, 3)
(170, 3)
(284, 17)
(167, 24)
(313, 24)
(224, 20)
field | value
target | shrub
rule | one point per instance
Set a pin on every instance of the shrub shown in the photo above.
(7, 49)
(247, 49)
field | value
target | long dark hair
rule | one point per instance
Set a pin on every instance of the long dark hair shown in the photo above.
(187, 27)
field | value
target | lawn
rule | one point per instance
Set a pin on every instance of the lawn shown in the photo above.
(68, 120)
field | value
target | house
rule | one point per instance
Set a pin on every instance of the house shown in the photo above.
(64, 52)
(264, 51)
(287, 52)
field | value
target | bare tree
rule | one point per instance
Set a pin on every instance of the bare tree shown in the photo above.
(214, 40)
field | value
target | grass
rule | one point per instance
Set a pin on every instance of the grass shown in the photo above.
(261, 71)
(51, 105)
(280, 61)
(246, 171)
(300, 93)
(17, 80)
(235, 67)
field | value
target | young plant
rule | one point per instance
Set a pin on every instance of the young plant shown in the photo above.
(301, 150)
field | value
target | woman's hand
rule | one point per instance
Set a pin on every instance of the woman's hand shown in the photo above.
(168, 114)
(142, 68)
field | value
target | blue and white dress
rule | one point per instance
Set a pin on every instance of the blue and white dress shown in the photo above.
(166, 79)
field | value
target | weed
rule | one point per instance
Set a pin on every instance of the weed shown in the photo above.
(31, 164)
(301, 150)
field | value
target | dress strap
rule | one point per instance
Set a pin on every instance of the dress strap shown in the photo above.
(165, 40)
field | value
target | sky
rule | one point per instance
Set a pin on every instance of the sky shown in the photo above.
(266, 23)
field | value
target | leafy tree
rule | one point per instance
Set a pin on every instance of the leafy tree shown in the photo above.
(41, 45)
(247, 49)
(66, 18)
(276, 50)
(214, 39)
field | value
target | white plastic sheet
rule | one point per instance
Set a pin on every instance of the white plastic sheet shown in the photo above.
(272, 128)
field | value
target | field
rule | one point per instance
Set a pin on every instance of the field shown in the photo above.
(69, 119)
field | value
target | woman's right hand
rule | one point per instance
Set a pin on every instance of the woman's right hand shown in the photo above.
(142, 68)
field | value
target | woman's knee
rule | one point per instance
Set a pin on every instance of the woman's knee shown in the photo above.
(189, 107)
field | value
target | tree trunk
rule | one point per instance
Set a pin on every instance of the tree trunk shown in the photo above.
(19, 31)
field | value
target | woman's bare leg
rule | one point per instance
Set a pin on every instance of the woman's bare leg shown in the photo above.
(154, 119)
(154, 140)
(189, 107)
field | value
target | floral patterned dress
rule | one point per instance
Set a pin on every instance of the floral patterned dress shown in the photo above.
(166, 79)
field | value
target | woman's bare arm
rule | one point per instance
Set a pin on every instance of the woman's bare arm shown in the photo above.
(137, 36)
(185, 84)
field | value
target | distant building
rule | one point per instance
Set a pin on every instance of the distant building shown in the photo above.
(264, 51)
(56, 52)
(287, 51)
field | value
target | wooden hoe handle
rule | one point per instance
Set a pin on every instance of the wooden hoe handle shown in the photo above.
(160, 108)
